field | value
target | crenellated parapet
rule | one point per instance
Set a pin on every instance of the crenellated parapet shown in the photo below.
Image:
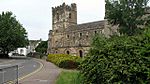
(64, 7)
(63, 16)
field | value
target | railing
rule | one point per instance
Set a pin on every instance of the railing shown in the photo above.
(8, 74)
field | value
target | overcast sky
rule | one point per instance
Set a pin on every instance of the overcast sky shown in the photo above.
(36, 15)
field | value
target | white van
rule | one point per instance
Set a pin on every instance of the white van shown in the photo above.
(20, 52)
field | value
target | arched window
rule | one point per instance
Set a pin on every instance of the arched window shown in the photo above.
(67, 36)
(56, 31)
(80, 53)
(56, 51)
(87, 36)
(68, 52)
(80, 34)
(57, 16)
(70, 15)
(95, 32)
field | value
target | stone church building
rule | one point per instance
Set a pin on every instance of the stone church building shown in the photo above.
(68, 37)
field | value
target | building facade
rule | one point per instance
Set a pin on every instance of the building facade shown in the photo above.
(68, 37)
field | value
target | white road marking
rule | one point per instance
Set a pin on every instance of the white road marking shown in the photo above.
(34, 65)
(5, 65)
(21, 67)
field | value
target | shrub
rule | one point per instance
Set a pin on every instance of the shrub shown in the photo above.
(64, 60)
(69, 64)
(118, 60)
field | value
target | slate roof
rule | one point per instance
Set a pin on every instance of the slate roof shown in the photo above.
(86, 26)
(34, 42)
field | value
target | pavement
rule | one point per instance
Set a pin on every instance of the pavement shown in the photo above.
(46, 75)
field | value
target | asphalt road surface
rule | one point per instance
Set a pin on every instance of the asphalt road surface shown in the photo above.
(25, 67)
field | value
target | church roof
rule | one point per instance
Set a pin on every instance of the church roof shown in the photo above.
(34, 42)
(85, 26)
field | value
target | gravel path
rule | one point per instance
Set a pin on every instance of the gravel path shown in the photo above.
(47, 75)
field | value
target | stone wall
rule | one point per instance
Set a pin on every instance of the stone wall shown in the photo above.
(68, 37)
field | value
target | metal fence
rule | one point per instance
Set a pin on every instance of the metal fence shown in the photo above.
(9, 74)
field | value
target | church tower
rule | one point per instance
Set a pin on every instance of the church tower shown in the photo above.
(63, 16)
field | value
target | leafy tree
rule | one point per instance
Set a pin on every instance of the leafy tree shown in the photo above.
(12, 33)
(129, 15)
(42, 47)
(118, 60)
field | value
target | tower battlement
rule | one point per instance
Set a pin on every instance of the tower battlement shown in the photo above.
(62, 7)
(64, 16)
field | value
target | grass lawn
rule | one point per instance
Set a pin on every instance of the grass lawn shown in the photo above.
(69, 77)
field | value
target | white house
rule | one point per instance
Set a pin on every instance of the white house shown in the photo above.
(22, 52)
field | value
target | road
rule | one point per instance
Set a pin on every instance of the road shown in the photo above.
(25, 67)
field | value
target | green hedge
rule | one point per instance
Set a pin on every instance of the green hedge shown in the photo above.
(64, 60)
(118, 60)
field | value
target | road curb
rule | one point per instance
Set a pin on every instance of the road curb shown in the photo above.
(47, 75)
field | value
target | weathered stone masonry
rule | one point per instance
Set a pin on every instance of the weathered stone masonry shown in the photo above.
(67, 36)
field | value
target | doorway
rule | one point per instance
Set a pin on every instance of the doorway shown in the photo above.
(80, 53)
(68, 52)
